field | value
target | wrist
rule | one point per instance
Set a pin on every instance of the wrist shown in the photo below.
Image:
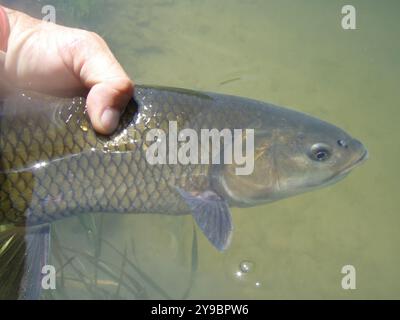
(4, 29)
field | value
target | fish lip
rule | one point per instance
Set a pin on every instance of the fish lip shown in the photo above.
(364, 157)
(360, 160)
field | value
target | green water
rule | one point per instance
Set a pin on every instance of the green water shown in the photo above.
(292, 53)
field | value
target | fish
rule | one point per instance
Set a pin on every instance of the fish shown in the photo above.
(54, 165)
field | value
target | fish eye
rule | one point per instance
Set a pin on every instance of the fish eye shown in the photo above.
(320, 152)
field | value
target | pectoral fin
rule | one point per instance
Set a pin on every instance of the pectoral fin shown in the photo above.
(212, 215)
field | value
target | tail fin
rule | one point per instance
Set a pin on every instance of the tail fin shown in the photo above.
(23, 253)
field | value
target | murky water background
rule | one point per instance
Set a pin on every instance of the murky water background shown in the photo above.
(291, 53)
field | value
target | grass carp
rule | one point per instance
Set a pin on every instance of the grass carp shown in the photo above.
(53, 164)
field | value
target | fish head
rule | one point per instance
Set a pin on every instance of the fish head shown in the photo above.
(296, 155)
(316, 155)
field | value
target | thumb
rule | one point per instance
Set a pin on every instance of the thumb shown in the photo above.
(106, 101)
(110, 87)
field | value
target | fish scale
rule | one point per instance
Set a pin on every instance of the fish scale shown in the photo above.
(85, 172)
(54, 165)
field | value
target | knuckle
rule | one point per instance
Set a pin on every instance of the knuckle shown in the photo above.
(125, 86)
(96, 37)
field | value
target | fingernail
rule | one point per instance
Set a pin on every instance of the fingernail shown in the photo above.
(109, 119)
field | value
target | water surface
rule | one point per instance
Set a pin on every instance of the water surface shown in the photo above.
(291, 53)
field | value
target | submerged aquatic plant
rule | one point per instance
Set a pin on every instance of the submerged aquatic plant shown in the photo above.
(86, 274)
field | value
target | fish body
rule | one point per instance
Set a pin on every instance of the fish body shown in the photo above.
(54, 165)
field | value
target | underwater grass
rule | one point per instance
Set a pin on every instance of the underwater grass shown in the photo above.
(122, 279)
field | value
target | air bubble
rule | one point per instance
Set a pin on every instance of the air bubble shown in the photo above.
(246, 266)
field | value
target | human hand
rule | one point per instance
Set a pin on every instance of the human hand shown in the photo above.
(58, 60)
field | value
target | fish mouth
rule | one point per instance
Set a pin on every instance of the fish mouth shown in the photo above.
(359, 161)
(349, 168)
